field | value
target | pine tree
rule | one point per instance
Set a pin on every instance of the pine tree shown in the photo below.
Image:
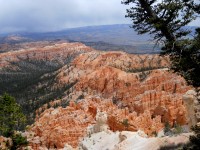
(11, 116)
(166, 21)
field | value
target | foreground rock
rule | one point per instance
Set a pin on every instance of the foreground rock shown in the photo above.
(126, 140)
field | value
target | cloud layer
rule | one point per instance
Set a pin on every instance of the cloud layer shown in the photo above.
(52, 15)
(47, 15)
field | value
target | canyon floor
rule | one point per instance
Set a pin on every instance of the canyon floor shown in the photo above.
(79, 98)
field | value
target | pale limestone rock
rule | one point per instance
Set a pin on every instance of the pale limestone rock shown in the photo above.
(161, 133)
(128, 141)
(142, 134)
(101, 122)
(67, 147)
(122, 137)
(189, 98)
(90, 130)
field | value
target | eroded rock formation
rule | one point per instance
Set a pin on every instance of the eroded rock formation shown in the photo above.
(137, 92)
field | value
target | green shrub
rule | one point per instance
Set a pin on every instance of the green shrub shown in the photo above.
(178, 129)
(125, 123)
(167, 127)
(18, 141)
(172, 147)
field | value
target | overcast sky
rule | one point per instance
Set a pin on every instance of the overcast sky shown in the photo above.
(52, 15)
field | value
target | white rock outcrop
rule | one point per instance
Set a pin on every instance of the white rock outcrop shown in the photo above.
(190, 101)
(127, 140)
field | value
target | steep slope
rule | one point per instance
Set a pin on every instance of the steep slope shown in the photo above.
(28, 74)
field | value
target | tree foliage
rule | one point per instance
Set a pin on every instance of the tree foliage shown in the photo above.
(11, 116)
(166, 21)
(194, 143)
(18, 141)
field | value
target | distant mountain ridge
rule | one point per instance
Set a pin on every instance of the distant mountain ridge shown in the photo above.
(104, 37)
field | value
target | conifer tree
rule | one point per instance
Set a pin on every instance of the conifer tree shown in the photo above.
(166, 20)
(11, 116)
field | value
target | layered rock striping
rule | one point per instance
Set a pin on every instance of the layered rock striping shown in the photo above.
(57, 52)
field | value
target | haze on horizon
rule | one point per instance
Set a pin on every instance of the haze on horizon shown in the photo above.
(51, 15)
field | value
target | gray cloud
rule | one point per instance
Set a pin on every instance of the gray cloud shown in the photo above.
(51, 15)
(47, 15)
